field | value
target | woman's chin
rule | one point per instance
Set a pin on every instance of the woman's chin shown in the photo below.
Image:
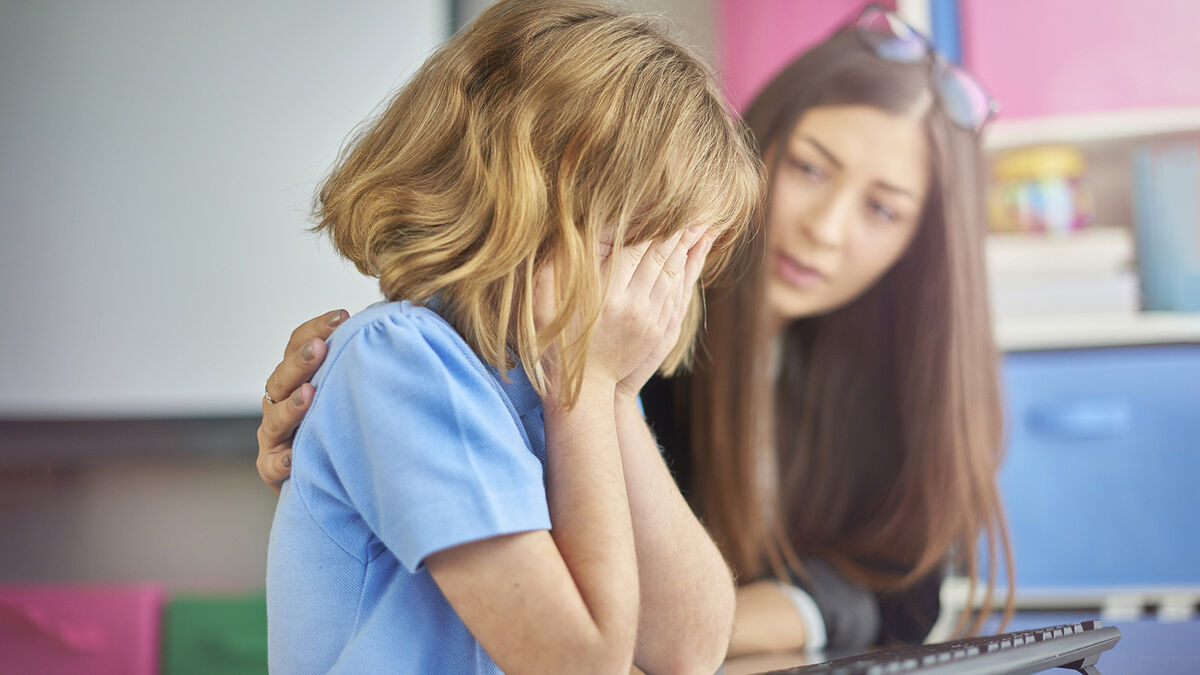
(788, 302)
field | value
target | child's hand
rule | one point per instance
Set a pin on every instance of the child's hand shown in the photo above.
(648, 286)
(695, 256)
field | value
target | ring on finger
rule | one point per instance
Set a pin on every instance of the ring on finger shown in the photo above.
(268, 395)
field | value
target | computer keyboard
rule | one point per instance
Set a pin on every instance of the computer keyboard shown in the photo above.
(1075, 646)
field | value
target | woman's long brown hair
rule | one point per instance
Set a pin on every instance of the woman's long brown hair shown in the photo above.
(886, 437)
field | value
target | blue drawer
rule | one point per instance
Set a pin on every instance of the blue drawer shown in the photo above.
(1102, 478)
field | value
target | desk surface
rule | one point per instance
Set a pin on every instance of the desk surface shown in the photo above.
(1158, 647)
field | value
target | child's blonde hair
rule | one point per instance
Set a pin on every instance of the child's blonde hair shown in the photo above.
(531, 134)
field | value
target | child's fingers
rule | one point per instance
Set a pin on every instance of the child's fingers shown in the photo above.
(604, 249)
(624, 265)
(691, 274)
(666, 286)
(655, 263)
(676, 322)
(696, 256)
(651, 264)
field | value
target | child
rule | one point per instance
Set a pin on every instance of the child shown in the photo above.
(467, 493)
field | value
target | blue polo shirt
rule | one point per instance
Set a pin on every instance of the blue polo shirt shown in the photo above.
(412, 445)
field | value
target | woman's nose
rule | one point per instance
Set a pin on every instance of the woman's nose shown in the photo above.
(828, 222)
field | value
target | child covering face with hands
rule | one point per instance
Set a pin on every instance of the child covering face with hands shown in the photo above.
(473, 488)
(841, 433)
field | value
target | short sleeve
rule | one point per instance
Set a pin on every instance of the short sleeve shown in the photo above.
(421, 439)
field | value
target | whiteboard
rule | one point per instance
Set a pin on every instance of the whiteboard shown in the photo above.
(157, 166)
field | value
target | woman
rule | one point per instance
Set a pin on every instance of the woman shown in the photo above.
(841, 432)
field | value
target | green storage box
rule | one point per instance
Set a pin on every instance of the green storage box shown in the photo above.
(207, 634)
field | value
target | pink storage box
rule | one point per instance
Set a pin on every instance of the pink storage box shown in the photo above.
(99, 630)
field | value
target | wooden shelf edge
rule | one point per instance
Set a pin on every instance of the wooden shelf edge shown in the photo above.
(1036, 333)
(1092, 127)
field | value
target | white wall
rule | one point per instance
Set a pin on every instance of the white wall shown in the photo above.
(157, 162)
(79, 290)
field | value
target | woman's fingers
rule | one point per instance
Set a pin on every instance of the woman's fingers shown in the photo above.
(288, 395)
(304, 354)
(275, 435)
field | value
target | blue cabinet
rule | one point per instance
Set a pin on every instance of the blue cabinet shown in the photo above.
(1102, 477)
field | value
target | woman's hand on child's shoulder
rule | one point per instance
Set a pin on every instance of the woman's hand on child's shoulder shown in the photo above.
(288, 395)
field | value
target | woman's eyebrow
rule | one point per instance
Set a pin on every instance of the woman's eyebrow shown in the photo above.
(829, 156)
(832, 159)
(903, 192)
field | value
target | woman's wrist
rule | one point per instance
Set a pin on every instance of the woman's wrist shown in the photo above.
(810, 616)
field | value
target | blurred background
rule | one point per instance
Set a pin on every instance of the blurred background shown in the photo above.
(158, 163)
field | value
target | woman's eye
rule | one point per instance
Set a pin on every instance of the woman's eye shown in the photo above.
(882, 212)
(810, 170)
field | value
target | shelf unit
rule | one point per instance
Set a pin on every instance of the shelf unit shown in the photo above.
(1107, 139)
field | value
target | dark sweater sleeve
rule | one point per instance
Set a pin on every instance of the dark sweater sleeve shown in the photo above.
(907, 616)
(665, 402)
(855, 617)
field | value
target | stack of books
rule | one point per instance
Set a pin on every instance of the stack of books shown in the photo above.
(1088, 271)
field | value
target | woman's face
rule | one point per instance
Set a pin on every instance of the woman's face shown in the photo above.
(847, 194)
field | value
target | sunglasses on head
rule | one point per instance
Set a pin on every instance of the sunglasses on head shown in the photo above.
(961, 95)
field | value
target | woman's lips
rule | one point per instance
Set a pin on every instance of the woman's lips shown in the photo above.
(797, 273)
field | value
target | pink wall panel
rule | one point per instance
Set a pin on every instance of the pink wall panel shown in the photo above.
(758, 37)
(1045, 57)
